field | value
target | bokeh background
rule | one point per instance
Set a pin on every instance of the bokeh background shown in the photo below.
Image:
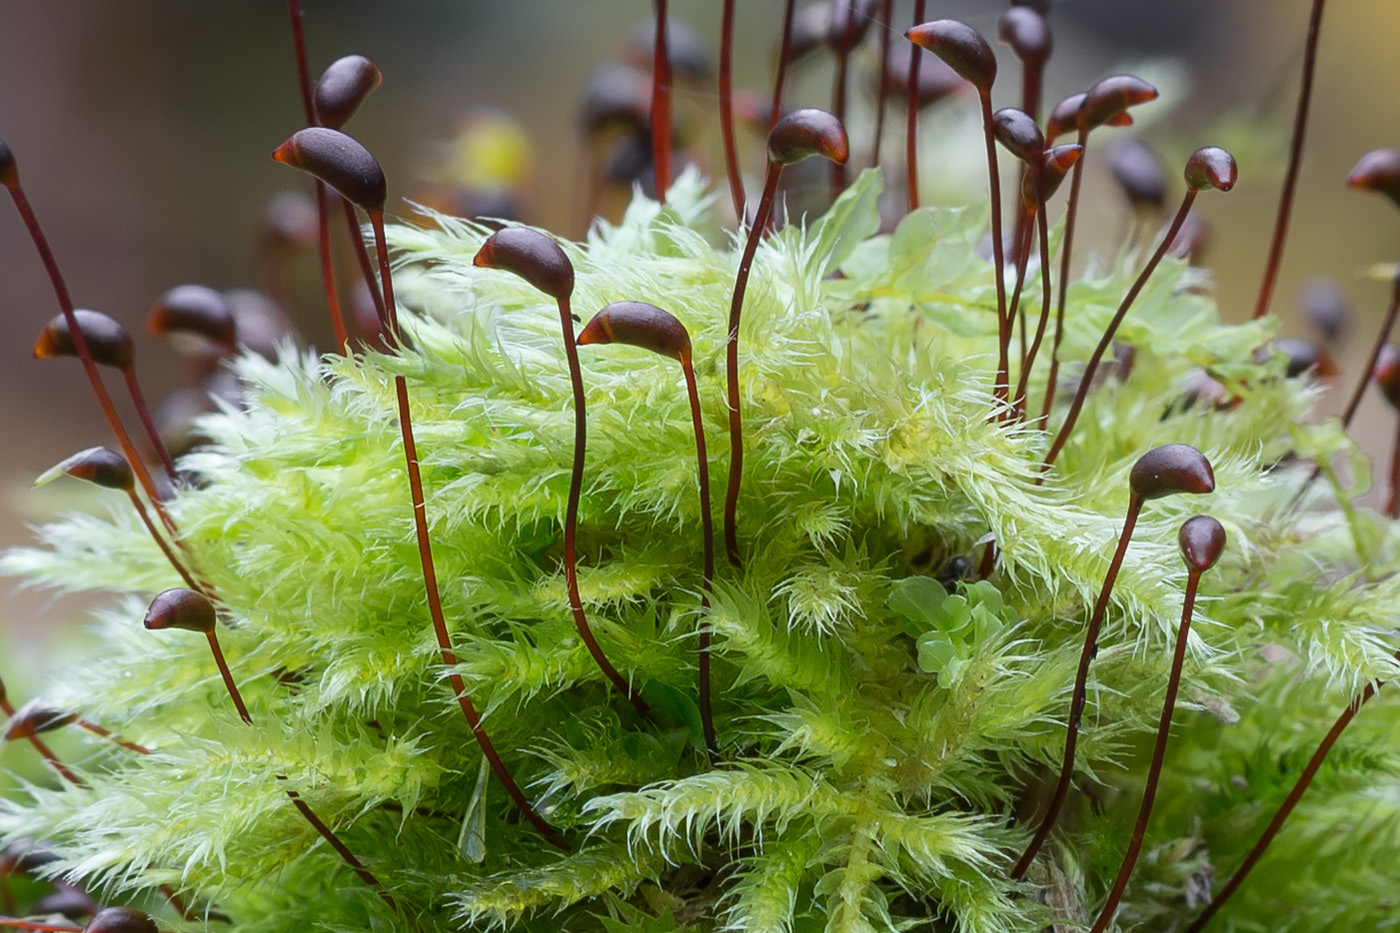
(143, 131)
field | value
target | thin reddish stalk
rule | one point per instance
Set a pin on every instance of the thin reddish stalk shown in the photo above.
(1066, 249)
(143, 414)
(571, 519)
(1021, 247)
(1081, 680)
(303, 72)
(661, 106)
(707, 718)
(1286, 809)
(911, 128)
(1159, 754)
(361, 253)
(838, 110)
(736, 307)
(227, 675)
(90, 726)
(42, 747)
(65, 303)
(1355, 401)
(323, 239)
(1392, 505)
(882, 22)
(726, 108)
(161, 542)
(784, 52)
(1023, 386)
(1032, 76)
(17, 924)
(1295, 158)
(425, 555)
(1087, 379)
(341, 848)
(1000, 389)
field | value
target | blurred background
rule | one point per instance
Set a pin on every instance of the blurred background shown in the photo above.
(144, 130)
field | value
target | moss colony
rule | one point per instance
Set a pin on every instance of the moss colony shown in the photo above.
(890, 706)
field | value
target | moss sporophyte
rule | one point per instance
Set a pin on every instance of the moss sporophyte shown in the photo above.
(972, 662)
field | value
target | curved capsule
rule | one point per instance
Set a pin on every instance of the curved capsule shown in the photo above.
(1028, 34)
(1378, 171)
(121, 920)
(638, 324)
(107, 341)
(1111, 97)
(96, 465)
(34, 718)
(805, 133)
(1387, 374)
(1019, 134)
(339, 161)
(962, 47)
(533, 256)
(183, 609)
(342, 88)
(1138, 172)
(194, 309)
(1171, 469)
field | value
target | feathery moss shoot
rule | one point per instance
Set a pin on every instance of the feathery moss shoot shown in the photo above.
(888, 725)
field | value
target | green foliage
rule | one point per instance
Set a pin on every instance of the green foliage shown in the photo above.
(885, 739)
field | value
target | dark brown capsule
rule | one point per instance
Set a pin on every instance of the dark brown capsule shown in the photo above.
(1063, 116)
(1378, 171)
(194, 309)
(183, 609)
(936, 80)
(1139, 172)
(342, 88)
(1326, 308)
(1303, 356)
(1019, 134)
(67, 902)
(1171, 469)
(616, 96)
(1387, 374)
(1054, 167)
(289, 221)
(1211, 167)
(96, 465)
(107, 341)
(121, 920)
(9, 170)
(339, 161)
(805, 133)
(1028, 34)
(34, 718)
(962, 47)
(849, 23)
(1202, 539)
(1110, 98)
(533, 256)
(638, 324)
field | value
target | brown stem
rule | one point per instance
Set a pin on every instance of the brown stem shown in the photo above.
(1023, 386)
(1066, 248)
(361, 254)
(838, 110)
(784, 52)
(65, 303)
(323, 235)
(303, 73)
(707, 718)
(1021, 248)
(998, 258)
(1286, 809)
(1355, 401)
(726, 108)
(1295, 158)
(883, 19)
(161, 542)
(736, 307)
(1081, 679)
(17, 924)
(1392, 507)
(425, 556)
(911, 126)
(661, 105)
(1086, 380)
(90, 726)
(341, 848)
(143, 414)
(585, 632)
(227, 675)
(1159, 753)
